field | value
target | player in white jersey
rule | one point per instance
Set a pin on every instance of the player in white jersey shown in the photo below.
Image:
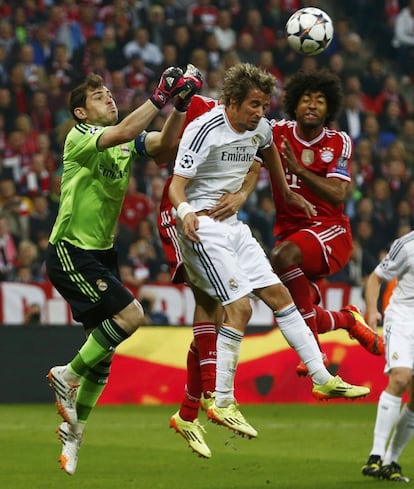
(399, 354)
(221, 257)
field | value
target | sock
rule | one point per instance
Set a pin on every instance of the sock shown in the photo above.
(388, 411)
(228, 352)
(91, 387)
(205, 337)
(331, 320)
(299, 337)
(103, 340)
(190, 403)
(300, 290)
(404, 431)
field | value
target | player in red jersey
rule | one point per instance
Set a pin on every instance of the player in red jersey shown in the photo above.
(317, 165)
(201, 358)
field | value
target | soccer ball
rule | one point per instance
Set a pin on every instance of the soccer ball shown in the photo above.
(309, 30)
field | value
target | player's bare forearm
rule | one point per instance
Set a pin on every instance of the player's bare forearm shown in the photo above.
(372, 291)
(185, 213)
(129, 128)
(230, 204)
(162, 145)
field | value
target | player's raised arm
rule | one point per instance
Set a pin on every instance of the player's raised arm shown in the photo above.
(171, 83)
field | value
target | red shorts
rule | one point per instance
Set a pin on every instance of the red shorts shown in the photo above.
(326, 248)
(168, 234)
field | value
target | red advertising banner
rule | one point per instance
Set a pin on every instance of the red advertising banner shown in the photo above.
(266, 372)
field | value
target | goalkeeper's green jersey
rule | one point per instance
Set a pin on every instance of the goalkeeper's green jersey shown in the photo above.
(93, 188)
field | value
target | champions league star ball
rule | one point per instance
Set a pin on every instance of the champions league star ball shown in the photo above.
(309, 30)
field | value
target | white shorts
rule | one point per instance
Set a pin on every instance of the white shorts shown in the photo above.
(228, 263)
(399, 341)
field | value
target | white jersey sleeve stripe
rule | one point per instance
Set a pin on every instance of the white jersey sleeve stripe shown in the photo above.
(201, 135)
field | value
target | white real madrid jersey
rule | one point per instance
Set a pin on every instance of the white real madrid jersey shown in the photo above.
(399, 263)
(215, 157)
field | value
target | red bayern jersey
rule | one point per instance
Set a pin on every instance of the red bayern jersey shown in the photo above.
(328, 155)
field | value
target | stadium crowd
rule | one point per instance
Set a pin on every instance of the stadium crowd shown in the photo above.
(48, 46)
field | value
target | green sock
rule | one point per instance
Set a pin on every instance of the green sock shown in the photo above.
(102, 341)
(91, 388)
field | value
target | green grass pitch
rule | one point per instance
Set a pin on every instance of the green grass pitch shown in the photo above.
(299, 447)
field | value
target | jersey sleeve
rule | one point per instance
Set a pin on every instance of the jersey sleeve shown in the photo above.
(267, 134)
(394, 264)
(82, 141)
(192, 151)
(340, 166)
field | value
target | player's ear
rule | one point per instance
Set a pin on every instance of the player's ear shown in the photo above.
(80, 113)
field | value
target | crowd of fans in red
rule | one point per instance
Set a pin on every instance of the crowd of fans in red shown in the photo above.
(48, 46)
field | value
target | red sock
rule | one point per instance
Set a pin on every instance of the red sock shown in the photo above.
(331, 320)
(190, 403)
(294, 279)
(205, 337)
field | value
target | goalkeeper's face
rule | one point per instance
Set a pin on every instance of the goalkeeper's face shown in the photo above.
(100, 107)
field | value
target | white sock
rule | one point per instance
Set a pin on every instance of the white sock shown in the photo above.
(388, 411)
(228, 352)
(300, 337)
(404, 431)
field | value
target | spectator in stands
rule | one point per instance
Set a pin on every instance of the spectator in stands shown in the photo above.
(34, 74)
(404, 41)
(135, 267)
(205, 12)
(137, 74)
(6, 108)
(354, 53)
(24, 124)
(8, 250)
(352, 116)
(245, 49)
(60, 65)
(182, 42)
(36, 178)
(150, 53)
(136, 206)
(112, 50)
(379, 140)
(27, 258)
(225, 34)
(373, 78)
(16, 208)
(40, 219)
(391, 118)
(20, 91)
(40, 114)
(160, 32)
(263, 36)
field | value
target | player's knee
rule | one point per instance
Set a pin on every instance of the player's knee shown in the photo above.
(130, 318)
(400, 381)
(285, 255)
(280, 297)
(245, 311)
